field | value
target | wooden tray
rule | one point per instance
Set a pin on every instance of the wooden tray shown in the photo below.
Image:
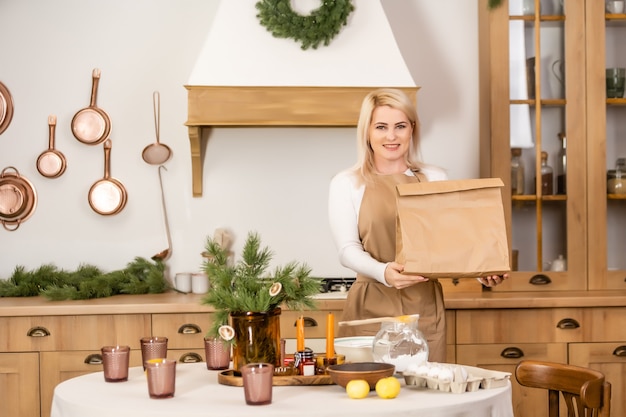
(228, 377)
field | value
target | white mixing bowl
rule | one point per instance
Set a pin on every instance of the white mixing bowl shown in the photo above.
(356, 349)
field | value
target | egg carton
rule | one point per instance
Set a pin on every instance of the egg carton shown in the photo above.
(477, 378)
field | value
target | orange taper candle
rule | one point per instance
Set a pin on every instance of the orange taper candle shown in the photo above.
(330, 336)
(300, 334)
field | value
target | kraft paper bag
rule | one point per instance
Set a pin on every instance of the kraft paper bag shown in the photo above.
(452, 229)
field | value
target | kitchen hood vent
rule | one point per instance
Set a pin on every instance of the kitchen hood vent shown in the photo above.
(246, 77)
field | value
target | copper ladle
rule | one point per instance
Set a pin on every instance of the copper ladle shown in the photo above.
(164, 254)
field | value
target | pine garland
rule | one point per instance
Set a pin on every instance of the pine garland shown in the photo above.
(139, 277)
(322, 25)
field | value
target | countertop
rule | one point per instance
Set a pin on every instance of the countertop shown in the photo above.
(173, 302)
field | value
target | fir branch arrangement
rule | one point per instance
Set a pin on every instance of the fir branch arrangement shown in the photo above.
(141, 276)
(247, 287)
(321, 26)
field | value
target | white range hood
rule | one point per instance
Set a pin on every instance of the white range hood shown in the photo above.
(246, 77)
(240, 51)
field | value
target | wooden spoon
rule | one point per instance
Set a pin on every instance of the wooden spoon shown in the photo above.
(404, 319)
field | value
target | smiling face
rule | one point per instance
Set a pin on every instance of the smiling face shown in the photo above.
(389, 137)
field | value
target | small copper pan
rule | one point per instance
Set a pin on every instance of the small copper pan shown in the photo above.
(6, 107)
(92, 125)
(107, 196)
(51, 163)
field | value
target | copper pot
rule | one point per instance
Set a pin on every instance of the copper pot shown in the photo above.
(18, 198)
(6, 107)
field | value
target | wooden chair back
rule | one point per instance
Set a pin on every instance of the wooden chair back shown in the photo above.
(584, 390)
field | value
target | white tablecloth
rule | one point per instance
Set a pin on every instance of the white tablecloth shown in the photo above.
(199, 394)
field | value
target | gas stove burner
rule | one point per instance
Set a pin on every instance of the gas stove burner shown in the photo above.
(337, 284)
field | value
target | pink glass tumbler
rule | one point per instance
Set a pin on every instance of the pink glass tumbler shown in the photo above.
(153, 347)
(257, 383)
(217, 353)
(161, 375)
(115, 363)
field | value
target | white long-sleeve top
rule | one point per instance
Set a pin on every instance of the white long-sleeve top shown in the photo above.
(344, 203)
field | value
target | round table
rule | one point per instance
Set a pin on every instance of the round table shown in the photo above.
(199, 394)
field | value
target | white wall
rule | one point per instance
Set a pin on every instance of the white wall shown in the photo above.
(271, 180)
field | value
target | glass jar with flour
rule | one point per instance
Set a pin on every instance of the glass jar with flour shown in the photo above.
(400, 343)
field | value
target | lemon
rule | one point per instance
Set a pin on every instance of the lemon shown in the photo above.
(388, 387)
(357, 388)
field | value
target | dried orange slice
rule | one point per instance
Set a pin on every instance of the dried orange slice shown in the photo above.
(275, 289)
(226, 332)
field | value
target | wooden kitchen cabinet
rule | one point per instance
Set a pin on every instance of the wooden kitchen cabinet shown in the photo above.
(56, 367)
(540, 325)
(19, 379)
(59, 333)
(47, 342)
(606, 211)
(527, 402)
(499, 339)
(528, 103)
(490, 330)
(184, 331)
(533, 105)
(584, 222)
(59, 345)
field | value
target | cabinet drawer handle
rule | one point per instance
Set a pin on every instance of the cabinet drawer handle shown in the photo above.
(620, 351)
(94, 359)
(540, 279)
(189, 328)
(308, 322)
(190, 357)
(567, 324)
(38, 332)
(512, 353)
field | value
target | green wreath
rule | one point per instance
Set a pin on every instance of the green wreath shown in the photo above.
(322, 25)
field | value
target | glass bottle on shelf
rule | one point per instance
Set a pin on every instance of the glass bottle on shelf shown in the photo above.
(616, 178)
(517, 172)
(547, 175)
(561, 167)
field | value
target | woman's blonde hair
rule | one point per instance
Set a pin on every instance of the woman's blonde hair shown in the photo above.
(395, 99)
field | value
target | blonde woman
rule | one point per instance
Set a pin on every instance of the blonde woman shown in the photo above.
(362, 215)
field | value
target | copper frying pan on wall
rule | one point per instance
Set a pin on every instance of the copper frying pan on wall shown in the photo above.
(6, 107)
(51, 163)
(92, 125)
(107, 196)
(18, 198)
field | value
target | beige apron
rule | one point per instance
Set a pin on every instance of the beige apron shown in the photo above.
(369, 298)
